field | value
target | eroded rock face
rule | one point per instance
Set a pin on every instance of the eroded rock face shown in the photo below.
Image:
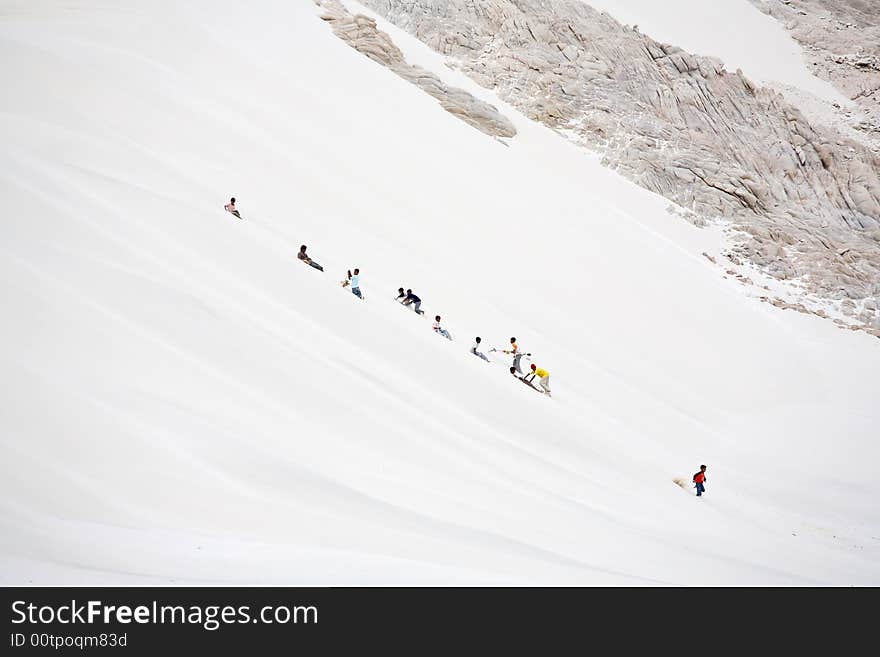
(804, 199)
(361, 33)
(841, 39)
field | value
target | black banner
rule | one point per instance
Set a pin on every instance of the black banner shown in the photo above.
(134, 621)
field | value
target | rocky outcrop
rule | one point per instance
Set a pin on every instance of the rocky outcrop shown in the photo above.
(361, 33)
(841, 39)
(804, 201)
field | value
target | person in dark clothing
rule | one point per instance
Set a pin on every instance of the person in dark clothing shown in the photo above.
(700, 480)
(306, 259)
(521, 378)
(401, 295)
(414, 301)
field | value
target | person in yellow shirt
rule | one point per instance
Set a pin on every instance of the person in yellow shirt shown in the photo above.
(543, 378)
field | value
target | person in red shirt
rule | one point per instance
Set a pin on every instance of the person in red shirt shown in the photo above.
(700, 479)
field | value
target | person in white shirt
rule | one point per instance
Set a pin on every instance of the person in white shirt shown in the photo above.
(230, 207)
(356, 283)
(475, 349)
(439, 329)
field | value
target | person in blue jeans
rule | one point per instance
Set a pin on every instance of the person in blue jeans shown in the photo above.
(355, 283)
(412, 300)
(700, 480)
(306, 259)
(439, 329)
(475, 349)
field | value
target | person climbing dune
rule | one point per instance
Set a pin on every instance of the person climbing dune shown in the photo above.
(306, 259)
(475, 349)
(700, 481)
(522, 379)
(543, 378)
(516, 353)
(439, 329)
(230, 207)
(413, 300)
(354, 280)
(355, 283)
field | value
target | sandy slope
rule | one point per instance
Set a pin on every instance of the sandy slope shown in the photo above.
(184, 401)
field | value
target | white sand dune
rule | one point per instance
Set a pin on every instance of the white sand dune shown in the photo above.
(184, 401)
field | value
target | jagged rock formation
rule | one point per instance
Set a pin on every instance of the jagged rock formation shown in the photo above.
(842, 42)
(361, 33)
(805, 200)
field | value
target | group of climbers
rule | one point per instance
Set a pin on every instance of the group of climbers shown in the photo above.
(409, 299)
(540, 373)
